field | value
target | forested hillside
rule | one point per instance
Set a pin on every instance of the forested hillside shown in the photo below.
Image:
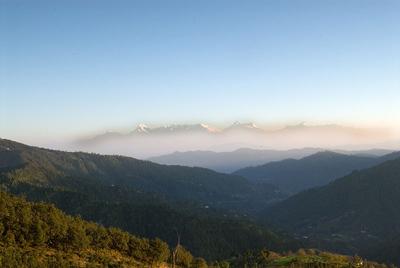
(359, 212)
(143, 198)
(151, 200)
(61, 169)
(40, 235)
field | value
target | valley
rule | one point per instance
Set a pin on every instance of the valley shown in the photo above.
(217, 216)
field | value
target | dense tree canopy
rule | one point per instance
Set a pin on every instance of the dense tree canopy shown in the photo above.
(25, 226)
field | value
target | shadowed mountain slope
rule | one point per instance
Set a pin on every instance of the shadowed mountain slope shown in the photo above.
(357, 212)
(293, 176)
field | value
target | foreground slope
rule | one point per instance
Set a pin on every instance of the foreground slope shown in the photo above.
(302, 258)
(293, 176)
(356, 212)
(39, 235)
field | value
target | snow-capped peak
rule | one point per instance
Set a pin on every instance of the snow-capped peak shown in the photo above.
(249, 125)
(189, 127)
(142, 128)
(200, 127)
(209, 128)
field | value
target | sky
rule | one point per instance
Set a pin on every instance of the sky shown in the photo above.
(73, 67)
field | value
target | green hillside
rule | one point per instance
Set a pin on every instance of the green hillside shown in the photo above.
(40, 235)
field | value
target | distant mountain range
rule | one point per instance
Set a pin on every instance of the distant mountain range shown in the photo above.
(144, 129)
(318, 169)
(177, 129)
(145, 141)
(236, 126)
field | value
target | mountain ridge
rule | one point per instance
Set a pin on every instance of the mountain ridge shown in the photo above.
(231, 161)
(295, 175)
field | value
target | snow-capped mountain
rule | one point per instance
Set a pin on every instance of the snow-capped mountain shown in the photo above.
(145, 141)
(202, 128)
(248, 128)
(243, 126)
(141, 128)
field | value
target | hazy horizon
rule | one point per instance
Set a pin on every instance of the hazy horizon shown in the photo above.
(70, 69)
(144, 141)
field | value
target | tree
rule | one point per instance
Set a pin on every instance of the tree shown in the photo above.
(357, 261)
(175, 251)
(183, 257)
(39, 235)
(159, 251)
(9, 238)
(199, 263)
(119, 239)
(76, 237)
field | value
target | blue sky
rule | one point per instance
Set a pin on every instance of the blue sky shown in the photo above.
(70, 67)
